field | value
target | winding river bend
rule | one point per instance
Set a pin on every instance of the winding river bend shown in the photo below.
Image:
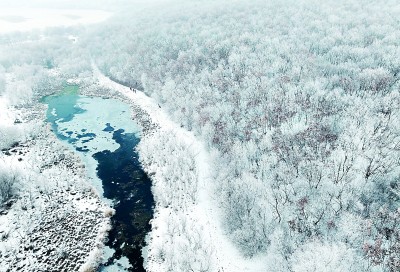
(102, 132)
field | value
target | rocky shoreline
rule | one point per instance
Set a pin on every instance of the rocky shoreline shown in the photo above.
(61, 239)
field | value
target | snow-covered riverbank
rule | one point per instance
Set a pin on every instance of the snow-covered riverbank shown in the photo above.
(55, 220)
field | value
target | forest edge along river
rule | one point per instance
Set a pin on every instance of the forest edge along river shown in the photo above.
(102, 132)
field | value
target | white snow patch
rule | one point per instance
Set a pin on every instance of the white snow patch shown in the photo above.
(73, 38)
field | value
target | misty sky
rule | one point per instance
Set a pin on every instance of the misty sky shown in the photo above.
(93, 4)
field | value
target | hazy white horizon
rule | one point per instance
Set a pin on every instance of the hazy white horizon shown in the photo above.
(26, 15)
(26, 19)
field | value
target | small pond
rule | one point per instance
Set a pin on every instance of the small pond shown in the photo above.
(102, 132)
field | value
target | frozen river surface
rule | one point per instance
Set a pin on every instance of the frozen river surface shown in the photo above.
(103, 133)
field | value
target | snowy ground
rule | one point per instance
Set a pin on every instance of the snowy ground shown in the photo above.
(24, 19)
(56, 220)
(202, 217)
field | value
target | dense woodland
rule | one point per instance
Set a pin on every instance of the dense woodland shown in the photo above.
(298, 101)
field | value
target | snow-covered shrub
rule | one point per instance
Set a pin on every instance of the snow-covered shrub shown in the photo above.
(317, 256)
(9, 182)
(9, 135)
(109, 212)
(178, 240)
(382, 247)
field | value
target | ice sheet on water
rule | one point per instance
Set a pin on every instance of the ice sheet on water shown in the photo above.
(85, 131)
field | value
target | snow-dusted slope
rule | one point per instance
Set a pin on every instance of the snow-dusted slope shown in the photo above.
(177, 223)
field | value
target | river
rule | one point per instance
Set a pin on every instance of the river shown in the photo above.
(102, 132)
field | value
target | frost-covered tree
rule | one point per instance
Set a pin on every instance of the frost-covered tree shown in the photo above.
(316, 256)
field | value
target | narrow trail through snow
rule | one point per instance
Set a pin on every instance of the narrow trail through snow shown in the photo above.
(208, 213)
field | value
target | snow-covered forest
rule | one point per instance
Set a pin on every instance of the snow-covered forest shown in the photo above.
(280, 123)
